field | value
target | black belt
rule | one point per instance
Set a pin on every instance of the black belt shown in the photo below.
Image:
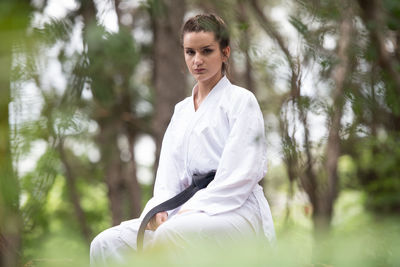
(199, 182)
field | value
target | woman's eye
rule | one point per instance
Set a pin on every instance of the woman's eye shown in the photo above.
(207, 51)
(190, 52)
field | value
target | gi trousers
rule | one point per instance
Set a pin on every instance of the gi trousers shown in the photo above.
(180, 231)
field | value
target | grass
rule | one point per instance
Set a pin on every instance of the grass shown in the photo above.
(373, 245)
(357, 239)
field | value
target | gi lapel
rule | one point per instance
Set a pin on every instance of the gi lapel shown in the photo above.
(210, 99)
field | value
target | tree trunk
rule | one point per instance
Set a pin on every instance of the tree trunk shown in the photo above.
(169, 77)
(132, 184)
(110, 155)
(309, 179)
(333, 146)
(130, 127)
(117, 120)
(107, 138)
(73, 193)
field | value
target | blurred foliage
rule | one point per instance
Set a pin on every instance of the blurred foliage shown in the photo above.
(66, 125)
(14, 19)
(112, 58)
(379, 173)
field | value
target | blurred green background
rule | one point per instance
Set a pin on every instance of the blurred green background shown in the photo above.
(88, 88)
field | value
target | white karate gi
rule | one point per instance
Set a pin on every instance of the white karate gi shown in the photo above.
(226, 134)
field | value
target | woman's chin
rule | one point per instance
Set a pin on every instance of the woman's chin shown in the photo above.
(206, 76)
(199, 76)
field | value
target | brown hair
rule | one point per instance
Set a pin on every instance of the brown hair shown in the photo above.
(208, 23)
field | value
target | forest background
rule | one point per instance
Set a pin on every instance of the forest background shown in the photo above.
(88, 88)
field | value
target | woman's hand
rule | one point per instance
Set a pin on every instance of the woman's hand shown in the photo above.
(157, 220)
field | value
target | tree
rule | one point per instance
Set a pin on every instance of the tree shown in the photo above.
(168, 76)
(318, 179)
(111, 59)
(105, 67)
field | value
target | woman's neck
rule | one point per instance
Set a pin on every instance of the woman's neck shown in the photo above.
(205, 87)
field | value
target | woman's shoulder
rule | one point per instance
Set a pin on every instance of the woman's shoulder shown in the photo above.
(236, 95)
(183, 103)
(182, 106)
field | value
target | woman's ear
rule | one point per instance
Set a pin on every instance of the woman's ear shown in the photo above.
(226, 52)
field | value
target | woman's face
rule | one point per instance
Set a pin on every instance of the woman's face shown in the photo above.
(203, 55)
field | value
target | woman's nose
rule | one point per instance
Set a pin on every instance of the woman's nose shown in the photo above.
(198, 59)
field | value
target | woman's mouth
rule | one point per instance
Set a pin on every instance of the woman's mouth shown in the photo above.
(199, 70)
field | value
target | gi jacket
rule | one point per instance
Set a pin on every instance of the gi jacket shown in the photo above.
(226, 134)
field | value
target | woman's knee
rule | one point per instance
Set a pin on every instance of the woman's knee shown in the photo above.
(108, 247)
(104, 240)
(166, 234)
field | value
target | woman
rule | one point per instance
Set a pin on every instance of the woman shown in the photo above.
(220, 127)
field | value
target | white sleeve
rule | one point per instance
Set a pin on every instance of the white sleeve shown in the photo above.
(242, 164)
(167, 183)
